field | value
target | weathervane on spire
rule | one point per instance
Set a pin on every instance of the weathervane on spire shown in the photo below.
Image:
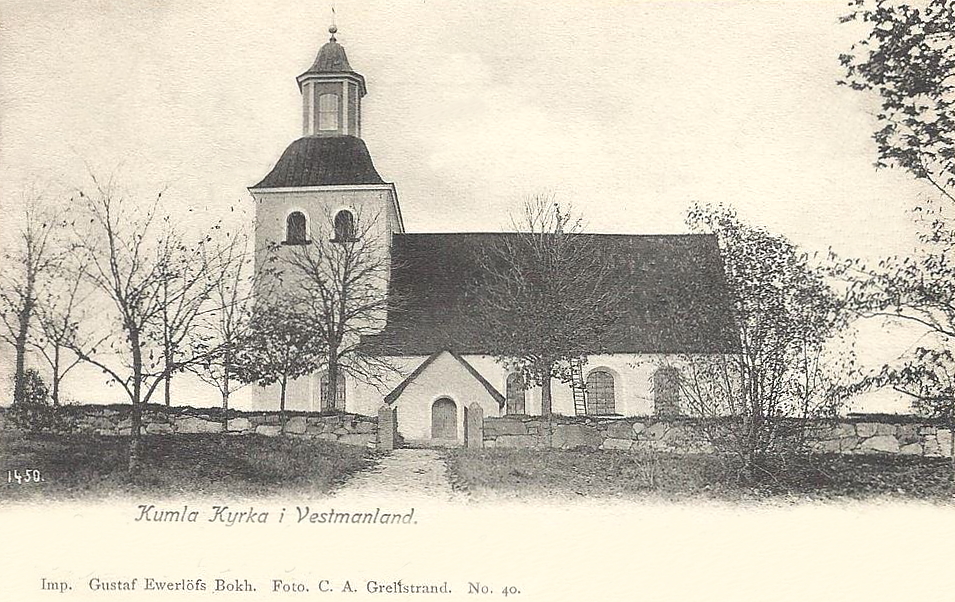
(332, 29)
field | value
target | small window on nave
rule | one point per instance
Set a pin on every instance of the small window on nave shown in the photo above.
(516, 397)
(666, 391)
(295, 229)
(344, 226)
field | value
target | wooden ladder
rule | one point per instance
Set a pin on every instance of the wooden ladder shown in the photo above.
(579, 387)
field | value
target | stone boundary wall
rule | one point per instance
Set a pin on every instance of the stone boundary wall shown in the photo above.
(879, 434)
(114, 420)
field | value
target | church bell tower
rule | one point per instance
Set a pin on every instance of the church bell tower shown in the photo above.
(325, 182)
(325, 189)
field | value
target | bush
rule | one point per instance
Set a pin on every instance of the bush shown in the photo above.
(33, 413)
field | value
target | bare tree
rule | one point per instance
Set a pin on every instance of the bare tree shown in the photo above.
(341, 278)
(225, 327)
(189, 279)
(130, 254)
(35, 251)
(59, 312)
(549, 298)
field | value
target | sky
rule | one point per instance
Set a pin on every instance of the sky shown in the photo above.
(629, 111)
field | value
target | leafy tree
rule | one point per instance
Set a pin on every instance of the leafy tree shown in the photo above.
(756, 401)
(907, 61)
(283, 343)
(928, 378)
(33, 412)
(342, 280)
(33, 253)
(549, 298)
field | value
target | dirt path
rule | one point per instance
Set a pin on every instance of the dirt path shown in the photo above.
(406, 474)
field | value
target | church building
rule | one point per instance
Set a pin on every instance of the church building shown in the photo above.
(677, 299)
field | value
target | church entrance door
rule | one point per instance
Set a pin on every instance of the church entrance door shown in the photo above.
(444, 419)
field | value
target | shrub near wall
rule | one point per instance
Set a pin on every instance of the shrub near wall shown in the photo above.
(853, 435)
(114, 420)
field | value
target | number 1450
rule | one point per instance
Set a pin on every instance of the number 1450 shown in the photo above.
(25, 476)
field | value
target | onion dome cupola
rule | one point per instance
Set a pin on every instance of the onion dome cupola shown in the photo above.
(331, 93)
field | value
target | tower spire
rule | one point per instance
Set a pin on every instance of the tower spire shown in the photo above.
(331, 92)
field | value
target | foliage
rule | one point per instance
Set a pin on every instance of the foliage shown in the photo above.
(785, 314)
(33, 413)
(35, 391)
(928, 377)
(550, 297)
(907, 60)
(282, 344)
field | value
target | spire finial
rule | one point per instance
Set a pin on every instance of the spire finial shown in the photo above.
(332, 29)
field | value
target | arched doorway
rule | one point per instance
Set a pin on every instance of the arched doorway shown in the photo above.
(444, 419)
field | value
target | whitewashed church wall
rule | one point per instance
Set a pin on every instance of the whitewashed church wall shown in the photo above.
(298, 395)
(632, 374)
(320, 208)
(364, 398)
(444, 378)
(360, 398)
(272, 209)
(633, 387)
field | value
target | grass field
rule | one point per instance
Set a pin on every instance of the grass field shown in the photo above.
(90, 466)
(517, 473)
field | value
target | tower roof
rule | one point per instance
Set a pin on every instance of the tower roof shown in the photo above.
(323, 161)
(332, 60)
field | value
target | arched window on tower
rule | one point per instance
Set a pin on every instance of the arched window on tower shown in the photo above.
(600, 393)
(344, 227)
(328, 112)
(295, 229)
(339, 392)
(666, 391)
(515, 394)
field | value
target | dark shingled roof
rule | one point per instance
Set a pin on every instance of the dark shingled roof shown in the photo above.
(323, 161)
(330, 59)
(396, 393)
(678, 297)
